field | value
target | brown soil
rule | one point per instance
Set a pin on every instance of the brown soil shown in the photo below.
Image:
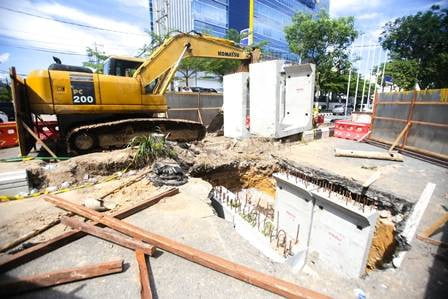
(383, 244)
(74, 170)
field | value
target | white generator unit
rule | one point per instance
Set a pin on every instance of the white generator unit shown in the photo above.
(281, 98)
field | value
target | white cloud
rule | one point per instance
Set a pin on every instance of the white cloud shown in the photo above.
(350, 7)
(4, 57)
(368, 16)
(134, 3)
(44, 33)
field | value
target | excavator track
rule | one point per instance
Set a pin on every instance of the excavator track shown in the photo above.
(117, 134)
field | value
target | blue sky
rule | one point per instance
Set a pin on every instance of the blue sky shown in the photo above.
(21, 35)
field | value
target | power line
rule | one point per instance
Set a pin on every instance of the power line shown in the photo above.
(7, 72)
(45, 50)
(2, 36)
(68, 22)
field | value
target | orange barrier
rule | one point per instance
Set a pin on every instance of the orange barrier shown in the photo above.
(350, 130)
(8, 132)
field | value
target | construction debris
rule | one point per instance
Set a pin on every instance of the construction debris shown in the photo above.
(168, 172)
(30, 283)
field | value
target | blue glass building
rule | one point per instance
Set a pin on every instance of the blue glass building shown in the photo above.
(263, 20)
(210, 16)
(266, 20)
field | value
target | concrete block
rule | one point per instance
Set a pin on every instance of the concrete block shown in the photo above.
(325, 132)
(340, 233)
(308, 136)
(253, 235)
(281, 98)
(14, 182)
(236, 101)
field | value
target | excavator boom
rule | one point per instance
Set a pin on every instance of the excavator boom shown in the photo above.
(164, 58)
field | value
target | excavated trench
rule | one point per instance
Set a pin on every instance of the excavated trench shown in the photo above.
(241, 175)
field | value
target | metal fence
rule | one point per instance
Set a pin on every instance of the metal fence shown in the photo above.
(419, 117)
(200, 107)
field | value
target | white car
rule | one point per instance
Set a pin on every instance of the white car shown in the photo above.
(3, 117)
(338, 109)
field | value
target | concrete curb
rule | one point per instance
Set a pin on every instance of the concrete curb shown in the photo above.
(314, 134)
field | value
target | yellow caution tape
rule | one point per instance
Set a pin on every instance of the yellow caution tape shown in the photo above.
(112, 177)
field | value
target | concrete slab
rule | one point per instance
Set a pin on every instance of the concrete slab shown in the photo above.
(405, 180)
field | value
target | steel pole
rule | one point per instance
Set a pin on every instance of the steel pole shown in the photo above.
(370, 75)
(357, 77)
(364, 85)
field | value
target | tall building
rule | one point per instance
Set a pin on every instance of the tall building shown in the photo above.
(265, 20)
(261, 20)
(210, 16)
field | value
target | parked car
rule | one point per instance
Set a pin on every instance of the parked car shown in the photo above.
(338, 109)
(196, 89)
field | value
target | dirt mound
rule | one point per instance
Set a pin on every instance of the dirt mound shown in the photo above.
(80, 168)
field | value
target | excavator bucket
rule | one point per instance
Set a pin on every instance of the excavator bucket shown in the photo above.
(22, 113)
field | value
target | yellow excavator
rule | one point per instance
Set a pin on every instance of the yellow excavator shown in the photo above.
(102, 111)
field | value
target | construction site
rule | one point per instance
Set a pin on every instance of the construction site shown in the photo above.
(122, 190)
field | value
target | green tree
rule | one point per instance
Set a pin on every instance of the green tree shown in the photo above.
(5, 93)
(324, 41)
(96, 59)
(190, 67)
(420, 39)
(402, 72)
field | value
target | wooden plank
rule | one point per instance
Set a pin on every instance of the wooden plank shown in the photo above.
(30, 283)
(399, 137)
(368, 155)
(432, 241)
(145, 286)
(40, 141)
(110, 236)
(267, 282)
(28, 236)
(428, 232)
(11, 261)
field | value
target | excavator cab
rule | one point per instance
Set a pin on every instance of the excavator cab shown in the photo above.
(121, 66)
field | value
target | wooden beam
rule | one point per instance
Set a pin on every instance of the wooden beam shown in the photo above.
(368, 155)
(30, 283)
(110, 236)
(11, 261)
(264, 281)
(40, 141)
(428, 232)
(399, 137)
(145, 286)
(28, 236)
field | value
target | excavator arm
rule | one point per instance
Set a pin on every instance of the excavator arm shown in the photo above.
(159, 69)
